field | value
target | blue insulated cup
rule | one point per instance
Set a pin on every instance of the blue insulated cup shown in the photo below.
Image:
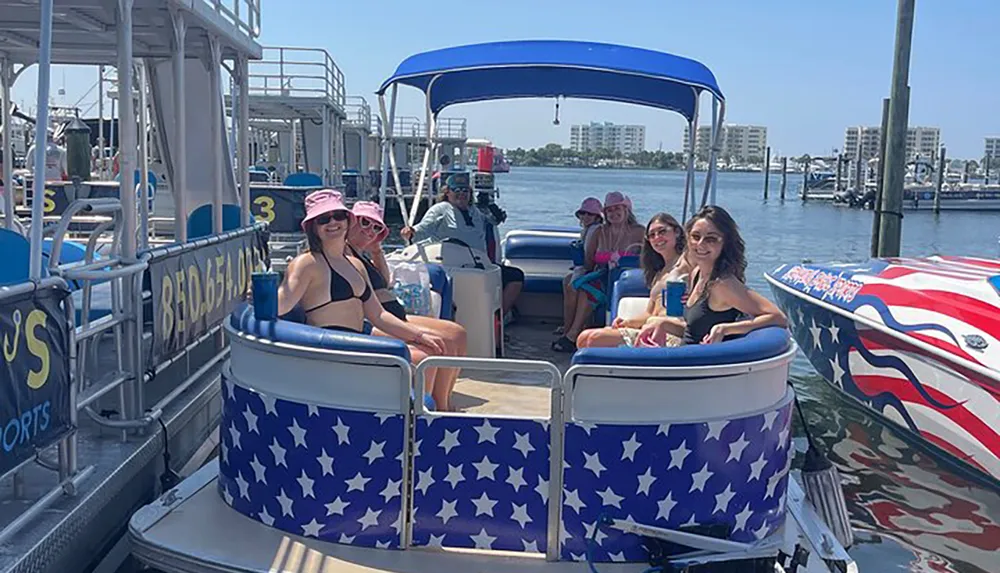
(265, 295)
(672, 297)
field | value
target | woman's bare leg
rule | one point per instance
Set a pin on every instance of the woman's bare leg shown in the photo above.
(606, 337)
(569, 301)
(456, 342)
(581, 315)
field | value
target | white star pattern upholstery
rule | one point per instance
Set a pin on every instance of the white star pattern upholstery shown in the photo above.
(328, 473)
(678, 475)
(481, 483)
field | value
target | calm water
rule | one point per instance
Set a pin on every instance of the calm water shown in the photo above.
(910, 512)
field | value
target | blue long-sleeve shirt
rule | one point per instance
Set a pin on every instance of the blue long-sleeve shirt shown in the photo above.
(445, 221)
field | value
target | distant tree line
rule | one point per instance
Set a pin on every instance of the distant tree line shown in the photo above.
(554, 154)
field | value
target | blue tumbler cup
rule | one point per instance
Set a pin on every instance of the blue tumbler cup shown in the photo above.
(672, 297)
(265, 295)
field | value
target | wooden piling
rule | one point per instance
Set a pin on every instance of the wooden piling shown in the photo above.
(784, 176)
(940, 182)
(767, 170)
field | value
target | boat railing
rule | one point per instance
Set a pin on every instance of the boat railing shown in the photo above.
(243, 14)
(359, 113)
(297, 73)
(413, 128)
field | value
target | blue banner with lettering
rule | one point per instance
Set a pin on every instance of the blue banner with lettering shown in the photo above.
(194, 289)
(34, 379)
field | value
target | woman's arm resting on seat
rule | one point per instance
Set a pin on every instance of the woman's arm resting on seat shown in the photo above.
(296, 282)
(763, 312)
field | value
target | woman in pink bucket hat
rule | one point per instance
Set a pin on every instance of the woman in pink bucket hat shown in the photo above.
(365, 242)
(333, 288)
(620, 235)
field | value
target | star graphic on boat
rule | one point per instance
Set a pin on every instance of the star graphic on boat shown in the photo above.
(816, 333)
(834, 333)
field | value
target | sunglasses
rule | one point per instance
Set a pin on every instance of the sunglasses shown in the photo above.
(661, 232)
(367, 223)
(333, 215)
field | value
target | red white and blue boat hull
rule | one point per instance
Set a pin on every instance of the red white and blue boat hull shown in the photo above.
(915, 340)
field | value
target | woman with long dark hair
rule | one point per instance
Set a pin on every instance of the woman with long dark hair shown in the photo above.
(720, 306)
(661, 259)
(334, 289)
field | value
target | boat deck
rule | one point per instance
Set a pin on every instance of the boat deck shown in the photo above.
(513, 393)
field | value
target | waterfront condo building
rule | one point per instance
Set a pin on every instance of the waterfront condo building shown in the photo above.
(922, 142)
(626, 139)
(740, 143)
(992, 150)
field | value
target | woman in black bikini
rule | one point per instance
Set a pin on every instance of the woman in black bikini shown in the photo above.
(334, 288)
(717, 280)
(364, 241)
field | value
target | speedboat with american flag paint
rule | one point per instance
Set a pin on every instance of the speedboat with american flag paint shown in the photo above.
(913, 339)
(615, 460)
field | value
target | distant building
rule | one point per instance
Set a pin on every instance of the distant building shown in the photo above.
(992, 150)
(740, 143)
(922, 142)
(626, 139)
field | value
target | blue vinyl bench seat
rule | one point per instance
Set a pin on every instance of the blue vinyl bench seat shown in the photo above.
(758, 345)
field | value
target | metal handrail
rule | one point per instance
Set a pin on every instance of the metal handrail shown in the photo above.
(244, 14)
(412, 127)
(359, 113)
(291, 72)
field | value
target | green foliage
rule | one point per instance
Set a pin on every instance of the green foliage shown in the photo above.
(555, 155)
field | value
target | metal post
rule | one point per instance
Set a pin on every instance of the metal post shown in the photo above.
(877, 215)
(940, 181)
(143, 161)
(41, 140)
(243, 139)
(6, 67)
(325, 153)
(392, 149)
(179, 151)
(891, 227)
(718, 114)
(386, 151)
(100, 123)
(767, 170)
(689, 179)
(784, 176)
(215, 92)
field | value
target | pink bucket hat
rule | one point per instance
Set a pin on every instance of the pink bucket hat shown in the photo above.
(324, 201)
(373, 211)
(592, 206)
(617, 198)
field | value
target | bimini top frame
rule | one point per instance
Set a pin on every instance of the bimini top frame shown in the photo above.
(569, 69)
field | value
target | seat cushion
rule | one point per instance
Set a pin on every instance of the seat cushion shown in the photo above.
(758, 345)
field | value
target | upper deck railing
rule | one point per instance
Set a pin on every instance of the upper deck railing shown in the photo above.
(359, 113)
(244, 14)
(297, 72)
(412, 127)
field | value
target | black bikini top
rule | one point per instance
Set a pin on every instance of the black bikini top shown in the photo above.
(340, 288)
(374, 275)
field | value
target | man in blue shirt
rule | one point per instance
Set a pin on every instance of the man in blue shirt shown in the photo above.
(452, 217)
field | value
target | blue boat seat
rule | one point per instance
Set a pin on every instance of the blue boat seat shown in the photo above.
(758, 345)
(16, 258)
(548, 285)
(199, 223)
(630, 284)
(70, 252)
(303, 180)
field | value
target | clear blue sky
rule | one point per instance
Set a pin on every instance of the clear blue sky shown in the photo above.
(804, 68)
